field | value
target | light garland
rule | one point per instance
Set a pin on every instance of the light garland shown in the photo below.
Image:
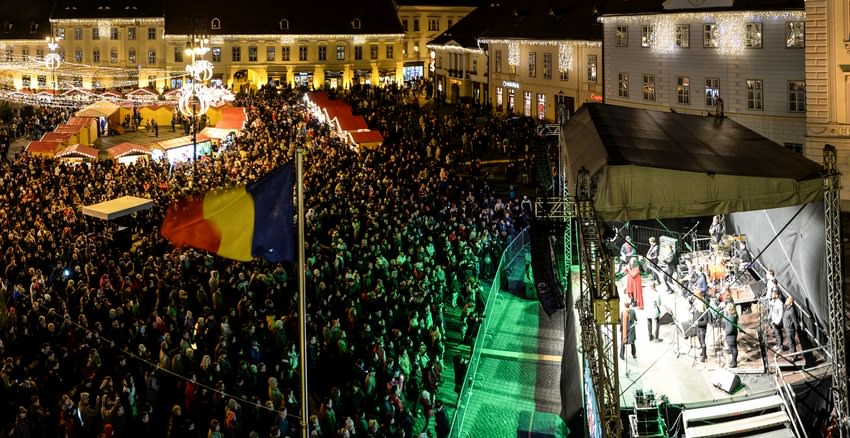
(732, 34)
(663, 37)
(513, 53)
(454, 49)
(526, 42)
(59, 22)
(220, 39)
(565, 57)
(706, 17)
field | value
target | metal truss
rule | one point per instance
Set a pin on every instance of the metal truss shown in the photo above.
(551, 129)
(598, 310)
(835, 290)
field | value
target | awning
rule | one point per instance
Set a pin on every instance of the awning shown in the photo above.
(78, 150)
(127, 148)
(652, 164)
(118, 207)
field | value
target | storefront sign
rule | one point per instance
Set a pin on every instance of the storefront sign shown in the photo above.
(510, 84)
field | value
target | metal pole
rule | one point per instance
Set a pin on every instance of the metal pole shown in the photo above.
(302, 289)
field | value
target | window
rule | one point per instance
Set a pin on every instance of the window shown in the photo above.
(78, 33)
(709, 36)
(358, 53)
(270, 55)
(323, 53)
(95, 33)
(60, 33)
(373, 51)
(215, 24)
(683, 36)
(131, 55)
(450, 22)
(647, 35)
(78, 55)
(42, 80)
(591, 68)
(404, 24)
(389, 51)
(683, 90)
(541, 106)
(39, 54)
(532, 64)
(355, 23)
(753, 36)
(114, 33)
(526, 103)
(284, 24)
(131, 33)
(499, 98)
(622, 36)
(151, 33)
(564, 75)
(416, 25)
(623, 85)
(475, 66)
(755, 97)
(113, 55)
(340, 53)
(794, 147)
(10, 55)
(712, 91)
(284, 53)
(433, 24)
(95, 56)
(216, 54)
(795, 34)
(152, 56)
(236, 54)
(151, 81)
(547, 66)
(178, 54)
(25, 54)
(796, 96)
(302, 53)
(26, 81)
(497, 61)
(252, 54)
(77, 81)
(649, 87)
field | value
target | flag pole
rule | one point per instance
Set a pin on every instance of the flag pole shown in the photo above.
(302, 288)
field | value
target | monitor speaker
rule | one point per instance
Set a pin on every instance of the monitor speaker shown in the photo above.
(725, 380)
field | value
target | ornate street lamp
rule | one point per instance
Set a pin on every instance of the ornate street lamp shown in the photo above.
(52, 61)
(195, 97)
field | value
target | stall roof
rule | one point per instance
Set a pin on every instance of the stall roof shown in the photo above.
(217, 133)
(367, 137)
(42, 147)
(78, 150)
(179, 141)
(652, 164)
(118, 207)
(232, 118)
(68, 128)
(79, 121)
(56, 136)
(100, 108)
(127, 148)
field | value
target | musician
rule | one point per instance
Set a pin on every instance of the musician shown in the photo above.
(634, 286)
(628, 250)
(652, 256)
(702, 281)
(652, 301)
(730, 328)
(701, 317)
(628, 321)
(770, 281)
(776, 309)
(790, 323)
(744, 256)
(717, 229)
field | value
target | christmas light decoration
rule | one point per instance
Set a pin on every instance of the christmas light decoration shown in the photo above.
(513, 53)
(565, 57)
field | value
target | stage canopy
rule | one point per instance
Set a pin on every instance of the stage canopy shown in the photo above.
(650, 164)
(117, 207)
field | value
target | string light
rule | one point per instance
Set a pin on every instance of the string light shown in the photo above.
(513, 53)
(565, 57)
(454, 49)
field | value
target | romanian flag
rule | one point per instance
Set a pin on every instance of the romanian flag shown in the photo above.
(239, 223)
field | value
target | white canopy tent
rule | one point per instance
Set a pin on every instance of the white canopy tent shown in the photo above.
(119, 207)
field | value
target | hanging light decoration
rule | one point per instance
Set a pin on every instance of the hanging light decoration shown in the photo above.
(195, 100)
(513, 53)
(566, 56)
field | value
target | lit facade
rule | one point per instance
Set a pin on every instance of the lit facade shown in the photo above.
(422, 21)
(828, 80)
(747, 64)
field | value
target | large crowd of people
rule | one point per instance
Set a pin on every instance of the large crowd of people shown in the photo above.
(106, 336)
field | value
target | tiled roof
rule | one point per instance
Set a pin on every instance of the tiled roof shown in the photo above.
(30, 22)
(107, 9)
(457, 3)
(261, 17)
(547, 20)
(466, 31)
(628, 7)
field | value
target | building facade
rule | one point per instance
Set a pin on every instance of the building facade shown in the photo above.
(828, 80)
(422, 21)
(738, 59)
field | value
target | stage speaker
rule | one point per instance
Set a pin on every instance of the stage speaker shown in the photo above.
(725, 380)
(543, 263)
(666, 318)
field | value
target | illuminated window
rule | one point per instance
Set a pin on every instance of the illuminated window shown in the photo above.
(390, 51)
(39, 54)
(755, 96)
(131, 55)
(323, 53)
(591, 68)
(497, 61)
(754, 36)
(25, 54)
(683, 36)
(709, 36)
(152, 56)
(78, 55)
(270, 53)
(284, 53)
(712, 91)
(547, 66)
(683, 90)
(649, 87)
(526, 103)
(795, 34)
(564, 75)
(340, 53)
(647, 35)
(796, 96)
(95, 33)
(623, 85)
(113, 55)
(541, 106)
(499, 99)
(252, 53)
(358, 53)
(532, 66)
(236, 54)
(302, 53)
(78, 33)
(178, 54)
(114, 33)
(216, 54)
(42, 81)
(622, 36)
(60, 33)
(26, 81)
(131, 33)
(95, 56)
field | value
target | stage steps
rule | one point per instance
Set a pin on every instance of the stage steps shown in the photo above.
(762, 417)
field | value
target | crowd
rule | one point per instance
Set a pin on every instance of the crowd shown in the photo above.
(99, 337)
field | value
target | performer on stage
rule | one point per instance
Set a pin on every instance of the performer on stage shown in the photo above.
(628, 321)
(652, 300)
(700, 316)
(717, 229)
(634, 287)
(775, 311)
(730, 328)
(790, 323)
(627, 251)
(652, 257)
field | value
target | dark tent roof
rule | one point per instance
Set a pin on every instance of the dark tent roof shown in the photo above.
(627, 7)
(550, 20)
(651, 164)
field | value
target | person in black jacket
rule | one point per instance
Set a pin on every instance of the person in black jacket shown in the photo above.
(790, 323)
(441, 425)
(730, 328)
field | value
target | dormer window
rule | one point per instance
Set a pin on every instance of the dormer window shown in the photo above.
(7, 26)
(33, 27)
(284, 24)
(215, 24)
(355, 23)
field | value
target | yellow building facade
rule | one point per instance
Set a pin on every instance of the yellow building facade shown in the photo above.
(422, 22)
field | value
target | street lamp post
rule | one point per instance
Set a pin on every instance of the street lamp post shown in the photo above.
(52, 61)
(195, 97)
